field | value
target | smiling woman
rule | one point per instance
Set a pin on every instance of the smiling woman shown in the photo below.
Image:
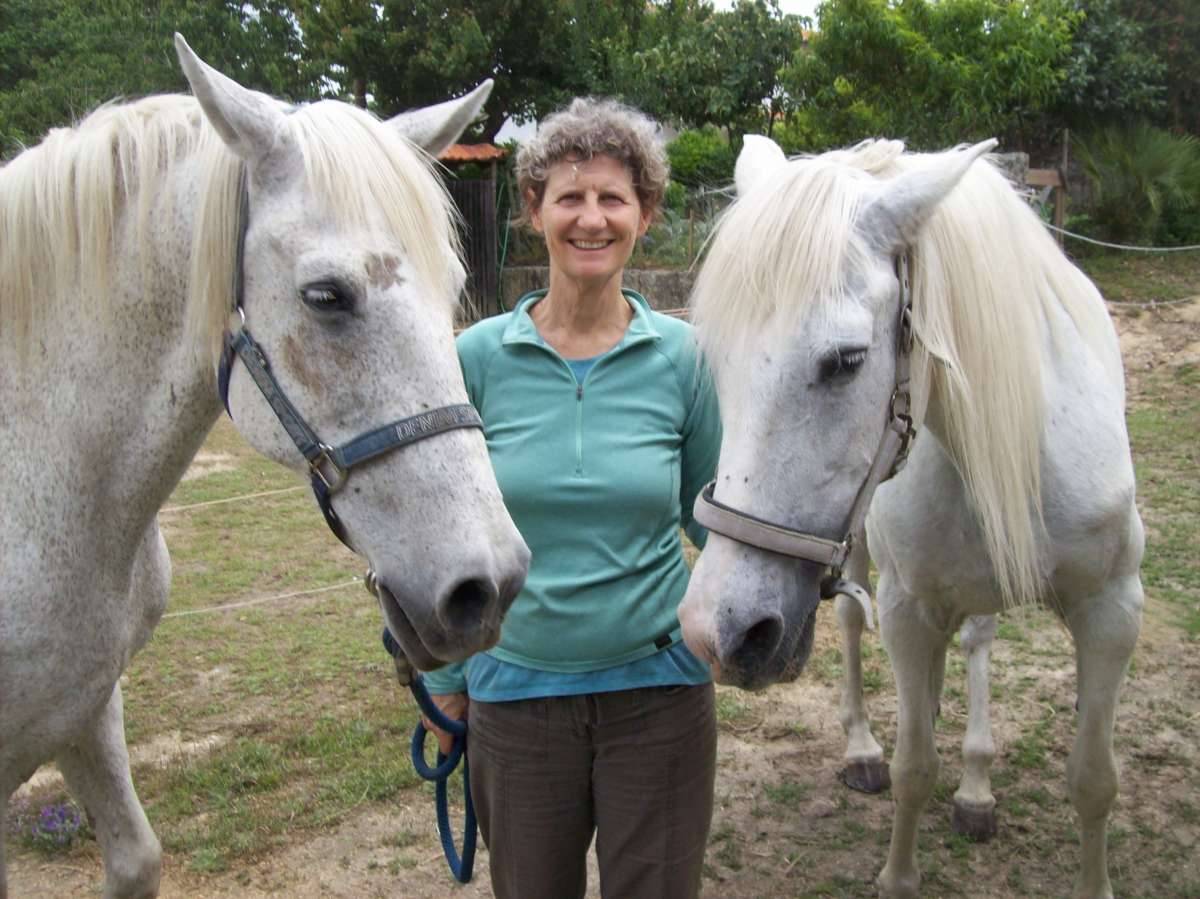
(591, 715)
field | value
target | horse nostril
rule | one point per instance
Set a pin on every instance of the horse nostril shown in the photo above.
(465, 607)
(759, 643)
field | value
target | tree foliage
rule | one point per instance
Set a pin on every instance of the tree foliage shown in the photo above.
(1110, 72)
(1171, 31)
(934, 73)
(61, 59)
(694, 65)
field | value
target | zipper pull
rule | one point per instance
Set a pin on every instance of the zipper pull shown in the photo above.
(578, 391)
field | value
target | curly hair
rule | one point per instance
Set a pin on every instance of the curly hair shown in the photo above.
(595, 127)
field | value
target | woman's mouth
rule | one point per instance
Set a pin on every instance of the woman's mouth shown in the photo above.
(590, 244)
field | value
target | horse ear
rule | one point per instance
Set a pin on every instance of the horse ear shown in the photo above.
(894, 217)
(435, 128)
(249, 122)
(760, 157)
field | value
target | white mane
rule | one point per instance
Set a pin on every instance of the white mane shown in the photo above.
(985, 279)
(61, 201)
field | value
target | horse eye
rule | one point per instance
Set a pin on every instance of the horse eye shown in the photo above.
(325, 297)
(842, 363)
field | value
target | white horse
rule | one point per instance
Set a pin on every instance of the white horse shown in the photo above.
(119, 243)
(1020, 489)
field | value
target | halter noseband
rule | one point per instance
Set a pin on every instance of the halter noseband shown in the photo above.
(889, 459)
(329, 466)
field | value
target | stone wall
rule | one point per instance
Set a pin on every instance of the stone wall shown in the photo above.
(663, 288)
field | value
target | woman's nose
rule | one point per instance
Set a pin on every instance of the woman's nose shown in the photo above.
(591, 216)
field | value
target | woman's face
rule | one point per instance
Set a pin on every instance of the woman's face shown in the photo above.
(590, 217)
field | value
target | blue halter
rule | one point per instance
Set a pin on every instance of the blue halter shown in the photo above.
(329, 466)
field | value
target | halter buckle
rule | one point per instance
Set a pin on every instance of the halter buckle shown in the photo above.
(902, 424)
(906, 329)
(324, 459)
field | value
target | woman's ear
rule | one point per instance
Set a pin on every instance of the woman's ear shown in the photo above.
(646, 219)
(535, 209)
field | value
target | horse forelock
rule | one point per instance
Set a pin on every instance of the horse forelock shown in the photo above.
(781, 252)
(985, 275)
(60, 203)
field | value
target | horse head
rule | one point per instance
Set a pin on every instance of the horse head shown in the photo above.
(349, 277)
(800, 309)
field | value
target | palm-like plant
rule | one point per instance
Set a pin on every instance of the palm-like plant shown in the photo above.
(1137, 171)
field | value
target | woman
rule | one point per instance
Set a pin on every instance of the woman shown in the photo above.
(591, 715)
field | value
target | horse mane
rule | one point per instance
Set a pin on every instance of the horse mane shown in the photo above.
(987, 281)
(61, 204)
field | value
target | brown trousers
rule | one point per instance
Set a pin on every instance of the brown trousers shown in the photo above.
(635, 767)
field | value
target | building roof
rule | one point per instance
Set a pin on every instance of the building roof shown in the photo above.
(472, 153)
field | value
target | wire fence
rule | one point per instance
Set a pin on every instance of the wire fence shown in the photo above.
(1119, 246)
(254, 600)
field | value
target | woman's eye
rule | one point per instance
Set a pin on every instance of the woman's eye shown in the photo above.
(325, 298)
(842, 363)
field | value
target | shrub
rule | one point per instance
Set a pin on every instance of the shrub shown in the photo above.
(1138, 172)
(700, 158)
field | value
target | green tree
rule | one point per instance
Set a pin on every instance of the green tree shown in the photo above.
(406, 54)
(1171, 31)
(1111, 72)
(695, 66)
(62, 59)
(933, 73)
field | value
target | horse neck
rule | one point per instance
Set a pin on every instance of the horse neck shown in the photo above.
(136, 393)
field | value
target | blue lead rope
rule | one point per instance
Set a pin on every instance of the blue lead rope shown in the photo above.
(460, 866)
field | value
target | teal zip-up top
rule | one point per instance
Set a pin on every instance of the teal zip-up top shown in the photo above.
(598, 477)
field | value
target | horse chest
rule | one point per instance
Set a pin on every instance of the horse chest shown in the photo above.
(921, 532)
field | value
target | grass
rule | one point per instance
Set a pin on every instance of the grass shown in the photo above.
(788, 792)
(1143, 277)
(1167, 459)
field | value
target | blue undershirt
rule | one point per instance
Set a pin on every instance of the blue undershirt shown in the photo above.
(492, 680)
(581, 367)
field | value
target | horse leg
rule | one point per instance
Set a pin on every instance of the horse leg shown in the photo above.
(1105, 628)
(96, 768)
(3, 832)
(917, 651)
(865, 769)
(974, 805)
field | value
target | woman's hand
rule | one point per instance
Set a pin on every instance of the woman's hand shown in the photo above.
(455, 707)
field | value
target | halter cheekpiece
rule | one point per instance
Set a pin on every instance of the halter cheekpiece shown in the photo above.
(329, 466)
(890, 457)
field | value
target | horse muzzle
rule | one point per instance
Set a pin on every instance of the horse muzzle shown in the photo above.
(751, 619)
(463, 618)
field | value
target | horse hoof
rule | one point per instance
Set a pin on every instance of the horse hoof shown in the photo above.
(975, 822)
(869, 776)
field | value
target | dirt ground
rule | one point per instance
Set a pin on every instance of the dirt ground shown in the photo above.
(785, 826)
